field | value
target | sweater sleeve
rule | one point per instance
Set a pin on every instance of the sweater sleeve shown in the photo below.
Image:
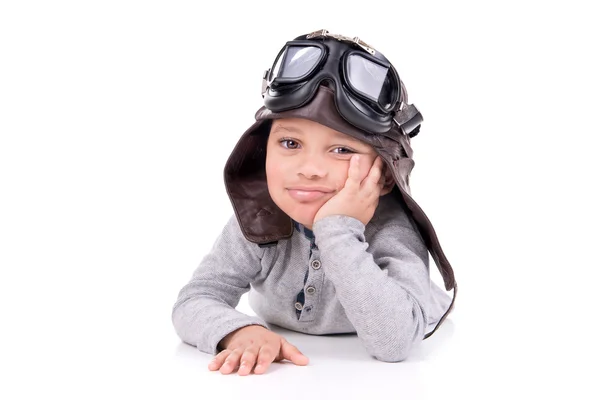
(204, 312)
(383, 290)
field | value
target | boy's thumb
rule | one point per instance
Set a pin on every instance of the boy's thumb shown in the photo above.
(291, 352)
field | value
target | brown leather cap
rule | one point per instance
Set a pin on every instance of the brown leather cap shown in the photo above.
(263, 222)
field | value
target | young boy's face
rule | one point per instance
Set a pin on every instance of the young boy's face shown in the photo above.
(307, 164)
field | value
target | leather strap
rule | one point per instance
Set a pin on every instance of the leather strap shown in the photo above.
(445, 314)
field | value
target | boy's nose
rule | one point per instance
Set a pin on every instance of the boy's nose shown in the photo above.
(312, 168)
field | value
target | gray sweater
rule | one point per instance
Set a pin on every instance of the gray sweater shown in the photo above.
(371, 280)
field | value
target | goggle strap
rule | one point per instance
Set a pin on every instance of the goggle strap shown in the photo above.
(409, 120)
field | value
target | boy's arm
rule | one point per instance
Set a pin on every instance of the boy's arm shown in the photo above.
(204, 312)
(384, 294)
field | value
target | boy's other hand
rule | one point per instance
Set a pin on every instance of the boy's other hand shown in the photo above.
(254, 345)
(360, 195)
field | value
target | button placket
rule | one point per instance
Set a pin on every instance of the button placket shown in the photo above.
(306, 298)
(311, 289)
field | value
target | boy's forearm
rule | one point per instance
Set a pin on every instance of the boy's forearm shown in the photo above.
(204, 322)
(204, 312)
(382, 304)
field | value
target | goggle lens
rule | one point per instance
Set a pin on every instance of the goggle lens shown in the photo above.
(296, 62)
(371, 80)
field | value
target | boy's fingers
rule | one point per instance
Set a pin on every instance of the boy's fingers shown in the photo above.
(266, 355)
(231, 362)
(218, 361)
(291, 352)
(247, 361)
(375, 173)
(354, 177)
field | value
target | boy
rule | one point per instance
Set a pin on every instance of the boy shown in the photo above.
(325, 232)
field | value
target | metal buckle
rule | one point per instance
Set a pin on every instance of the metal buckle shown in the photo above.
(397, 112)
(265, 83)
(321, 32)
(413, 112)
(399, 126)
(325, 33)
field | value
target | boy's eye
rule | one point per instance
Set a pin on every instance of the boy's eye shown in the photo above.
(289, 144)
(342, 150)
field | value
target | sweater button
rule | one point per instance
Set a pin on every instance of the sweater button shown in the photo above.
(298, 306)
(311, 290)
(316, 264)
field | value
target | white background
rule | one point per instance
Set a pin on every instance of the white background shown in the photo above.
(116, 119)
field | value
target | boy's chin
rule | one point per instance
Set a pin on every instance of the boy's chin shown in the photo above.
(304, 216)
(303, 213)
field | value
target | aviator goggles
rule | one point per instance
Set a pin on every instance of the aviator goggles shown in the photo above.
(368, 90)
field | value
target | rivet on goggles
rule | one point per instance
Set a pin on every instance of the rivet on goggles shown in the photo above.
(368, 91)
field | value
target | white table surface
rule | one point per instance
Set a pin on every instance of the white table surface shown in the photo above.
(124, 351)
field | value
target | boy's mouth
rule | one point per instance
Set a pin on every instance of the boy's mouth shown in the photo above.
(308, 194)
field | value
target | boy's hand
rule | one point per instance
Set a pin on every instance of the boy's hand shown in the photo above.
(360, 195)
(252, 345)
